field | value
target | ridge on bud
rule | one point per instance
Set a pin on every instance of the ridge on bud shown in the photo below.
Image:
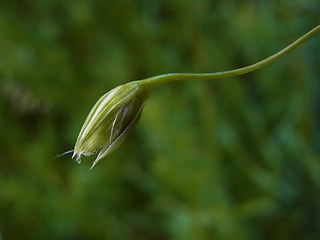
(111, 120)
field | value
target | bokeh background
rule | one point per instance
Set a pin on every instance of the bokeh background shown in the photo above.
(235, 158)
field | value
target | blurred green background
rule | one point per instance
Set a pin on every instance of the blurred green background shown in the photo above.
(237, 158)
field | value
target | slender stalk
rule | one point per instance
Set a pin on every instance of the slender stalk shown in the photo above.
(154, 81)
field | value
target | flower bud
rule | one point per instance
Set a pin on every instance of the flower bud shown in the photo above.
(111, 120)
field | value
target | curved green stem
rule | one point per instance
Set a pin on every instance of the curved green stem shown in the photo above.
(154, 81)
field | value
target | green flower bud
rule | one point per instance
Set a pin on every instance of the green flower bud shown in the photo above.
(118, 111)
(111, 120)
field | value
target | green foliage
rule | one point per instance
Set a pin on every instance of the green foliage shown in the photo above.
(226, 159)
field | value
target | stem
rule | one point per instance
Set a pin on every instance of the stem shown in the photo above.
(154, 81)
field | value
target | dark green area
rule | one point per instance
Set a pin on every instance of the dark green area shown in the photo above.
(236, 158)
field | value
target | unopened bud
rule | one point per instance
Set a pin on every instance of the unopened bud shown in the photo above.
(111, 120)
